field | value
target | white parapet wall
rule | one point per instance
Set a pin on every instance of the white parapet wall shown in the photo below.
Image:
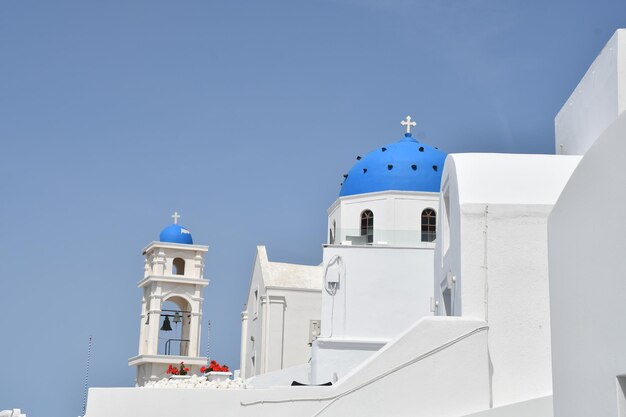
(597, 101)
(415, 375)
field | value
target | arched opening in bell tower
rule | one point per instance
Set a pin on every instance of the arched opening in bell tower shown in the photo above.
(174, 326)
(178, 266)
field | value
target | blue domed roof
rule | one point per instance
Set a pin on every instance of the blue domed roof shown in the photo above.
(175, 233)
(406, 165)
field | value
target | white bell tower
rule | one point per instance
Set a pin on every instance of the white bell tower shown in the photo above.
(171, 306)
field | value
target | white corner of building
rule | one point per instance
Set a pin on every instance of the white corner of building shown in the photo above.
(598, 99)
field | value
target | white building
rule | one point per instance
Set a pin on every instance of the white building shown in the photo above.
(598, 99)
(379, 257)
(524, 275)
(282, 315)
(587, 287)
(586, 247)
(491, 260)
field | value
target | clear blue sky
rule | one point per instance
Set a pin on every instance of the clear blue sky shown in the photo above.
(243, 116)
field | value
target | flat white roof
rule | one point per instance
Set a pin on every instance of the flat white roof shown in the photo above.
(294, 276)
(508, 178)
(280, 274)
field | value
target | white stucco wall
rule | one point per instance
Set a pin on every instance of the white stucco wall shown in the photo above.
(382, 291)
(597, 100)
(587, 286)
(301, 307)
(496, 264)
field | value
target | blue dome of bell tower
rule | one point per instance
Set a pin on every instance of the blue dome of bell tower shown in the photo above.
(175, 233)
(406, 165)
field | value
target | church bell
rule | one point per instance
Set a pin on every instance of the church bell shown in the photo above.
(176, 318)
(166, 324)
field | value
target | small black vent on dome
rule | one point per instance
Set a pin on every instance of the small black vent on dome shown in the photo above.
(364, 170)
(345, 176)
(414, 167)
(421, 149)
(389, 167)
(383, 149)
(358, 158)
(435, 168)
(436, 147)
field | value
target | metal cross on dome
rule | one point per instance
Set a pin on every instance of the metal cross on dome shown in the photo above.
(175, 216)
(408, 123)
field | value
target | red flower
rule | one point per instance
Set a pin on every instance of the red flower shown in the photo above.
(186, 369)
(214, 366)
(203, 369)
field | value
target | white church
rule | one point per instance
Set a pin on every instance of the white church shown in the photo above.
(460, 285)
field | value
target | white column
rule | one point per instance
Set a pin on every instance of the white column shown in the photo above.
(244, 344)
(155, 316)
(265, 325)
(194, 329)
(142, 326)
(158, 266)
(275, 343)
(198, 265)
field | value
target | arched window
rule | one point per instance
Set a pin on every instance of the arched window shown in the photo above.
(367, 226)
(429, 225)
(179, 266)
